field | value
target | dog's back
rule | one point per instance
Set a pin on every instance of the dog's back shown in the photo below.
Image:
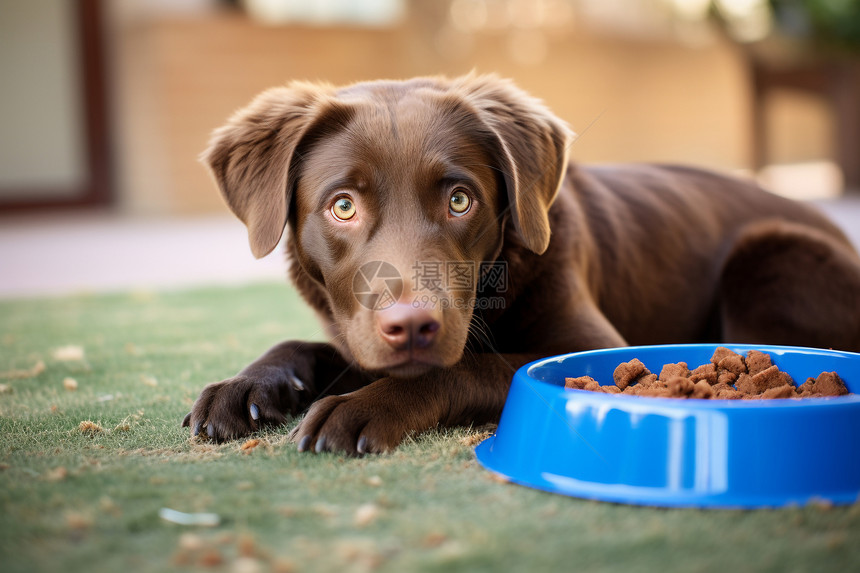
(664, 238)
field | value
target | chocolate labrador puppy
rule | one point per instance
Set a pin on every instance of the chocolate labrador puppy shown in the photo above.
(443, 238)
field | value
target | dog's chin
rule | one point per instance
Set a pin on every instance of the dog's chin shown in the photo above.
(409, 364)
(408, 369)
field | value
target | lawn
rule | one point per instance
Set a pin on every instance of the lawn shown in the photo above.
(87, 497)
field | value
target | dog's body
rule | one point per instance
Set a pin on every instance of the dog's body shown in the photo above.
(432, 172)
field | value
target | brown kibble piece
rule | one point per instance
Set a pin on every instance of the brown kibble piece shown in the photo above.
(680, 386)
(656, 391)
(250, 445)
(706, 372)
(57, 474)
(582, 383)
(210, 557)
(734, 364)
(659, 389)
(246, 545)
(593, 386)
(578, 383)
(764, 380)
(807, 387)
(757, 362)
(784, 391)
(610, 389)
(627, 372)
(636, 389)
(726, 392)
(747, 385)
(772, 377)
(829, 384)
(89, 427)
(702, 390)
(434, 539)
(78, 521)
(642, 384)
(283, 565)
(722, 353)
(670, 371)
(726, 377)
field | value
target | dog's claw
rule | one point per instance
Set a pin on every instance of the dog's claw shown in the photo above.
(361, 446)
(320, 445)
(255, 412)
(210, 430)
(297, 384)
(197, 427)
(304, 443)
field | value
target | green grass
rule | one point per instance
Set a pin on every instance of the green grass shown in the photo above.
(90, 502)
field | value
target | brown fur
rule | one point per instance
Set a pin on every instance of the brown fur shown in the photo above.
(597, 257)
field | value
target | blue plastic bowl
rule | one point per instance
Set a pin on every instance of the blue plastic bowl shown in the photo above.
(676, 452)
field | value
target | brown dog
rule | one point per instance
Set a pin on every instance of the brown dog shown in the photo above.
(394, 194)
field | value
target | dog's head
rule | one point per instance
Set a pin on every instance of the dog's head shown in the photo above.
(389, 190)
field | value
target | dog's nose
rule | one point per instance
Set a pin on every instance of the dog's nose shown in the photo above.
(404, 326)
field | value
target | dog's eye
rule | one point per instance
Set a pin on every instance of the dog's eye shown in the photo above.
(459, 203)
(343, 209)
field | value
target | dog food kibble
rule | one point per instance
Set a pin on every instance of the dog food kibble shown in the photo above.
(583, 383)
(670, 371)
(705, 373)
(702, 389)
(728, 376)
(827, 384)
(628, 372)
(757, 362)
(680, 387)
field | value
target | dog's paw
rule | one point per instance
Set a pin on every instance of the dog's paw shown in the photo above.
(358, 423)
(239, 406)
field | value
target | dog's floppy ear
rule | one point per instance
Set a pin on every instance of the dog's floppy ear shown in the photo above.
(533, 149)
(250, 158)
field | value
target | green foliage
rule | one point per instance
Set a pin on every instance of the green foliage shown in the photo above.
(828, 22)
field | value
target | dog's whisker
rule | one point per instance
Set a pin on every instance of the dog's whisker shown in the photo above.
(481, 334)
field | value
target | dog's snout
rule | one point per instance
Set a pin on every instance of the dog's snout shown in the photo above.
(405, 326)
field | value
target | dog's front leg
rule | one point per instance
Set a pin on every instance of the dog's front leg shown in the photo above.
(284, 380)
(377, 417)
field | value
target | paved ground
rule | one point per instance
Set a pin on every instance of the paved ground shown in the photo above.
(101, 252)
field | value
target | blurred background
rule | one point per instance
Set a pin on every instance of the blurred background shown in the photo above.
(105, 106)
